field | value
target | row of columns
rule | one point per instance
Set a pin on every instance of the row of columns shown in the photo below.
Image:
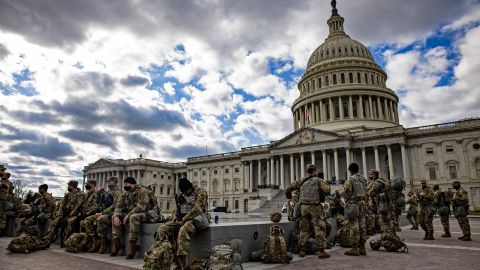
(273, 179)
(366, 107)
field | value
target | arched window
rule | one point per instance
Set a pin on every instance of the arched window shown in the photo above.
(169, 188)
(236, 184)
(204, 184)
(215, 185)
(477, 167)
(226, 184)
(161, 189)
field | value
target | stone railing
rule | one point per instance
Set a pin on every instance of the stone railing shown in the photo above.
(378, 132)
(215, 156)
(459, 125)
(263, 147)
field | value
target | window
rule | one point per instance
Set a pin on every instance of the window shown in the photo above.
(168, 205)
(226, 203)
(195, 173)
(452, 169)
(168, 190)
(154, 175)
(449, 148)
(350, 77)
(237, 169)
(215, 172)
(236, 184)
(432, 172)
(342, 77)
(236, 204)
(477, 167)
(161, 189)
(204, 173)
(226, 184)
(476, 146)
(227, 171)
(161, 176)
(215, 185)
(359, 78)
(319, 82)
(345, 108)
(334, 79)
(327, 83)
(366, 78)
(160, 204)
(214, 203)
(429, 150)
(204, 185)
(169, 177)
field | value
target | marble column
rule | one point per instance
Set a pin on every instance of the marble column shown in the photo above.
(380, 111)
(259, 181)
(292, 169)
(350, 107)
(313, 114)
(324, 163)
(282, 174)
(250, 176)
(269, 175)
(360, 107)
(390, 161)
(347, 155)
(364, 161)
(340, 107)
(386, 111)
(332, 111)
(370, 108)
(272, 171)
(406, 174)
(322, 112)
(377, 160)
(335, 163)
(312, 157)
(302, 165)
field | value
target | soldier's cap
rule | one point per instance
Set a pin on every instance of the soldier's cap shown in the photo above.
(2, 168)
(73, 183)
(372, 171)
(184, 185)
(43, 186)
(436, 186)
(130, 180)
(423, 181)
(112, 179)
(311, 167)
(92, 181)
(353, 167)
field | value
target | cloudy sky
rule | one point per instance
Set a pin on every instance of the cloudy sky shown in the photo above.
(85, 79)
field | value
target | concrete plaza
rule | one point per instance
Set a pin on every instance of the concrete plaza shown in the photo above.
(443, 253)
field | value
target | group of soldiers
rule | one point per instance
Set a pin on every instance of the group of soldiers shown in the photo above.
(382, 198)
(10, 203)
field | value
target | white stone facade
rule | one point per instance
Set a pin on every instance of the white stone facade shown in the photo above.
(344, 114)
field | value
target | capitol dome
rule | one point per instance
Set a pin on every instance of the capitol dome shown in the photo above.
(343, 88)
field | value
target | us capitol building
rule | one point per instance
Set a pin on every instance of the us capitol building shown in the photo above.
(345, 113)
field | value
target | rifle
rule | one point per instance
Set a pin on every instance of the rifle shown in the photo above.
(179, 200)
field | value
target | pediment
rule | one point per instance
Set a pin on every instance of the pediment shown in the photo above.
(103, 162)
(306, 136)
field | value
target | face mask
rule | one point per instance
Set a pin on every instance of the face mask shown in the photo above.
(41, 191)
(456, 187)
(127, 188)
(88, 186)
(370, 177)
(68, 189)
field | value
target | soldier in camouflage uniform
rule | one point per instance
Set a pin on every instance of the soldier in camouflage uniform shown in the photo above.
(3, 198)
(355, 192)
(87, 207)
(412, 210)
(43, 208)
(66, 210)
(312, 193)
(155, 213)
(426, 211)
(103, 217)
(378, 191)
(131, 208)
(194, 203)
(460, 199)
(439, 201)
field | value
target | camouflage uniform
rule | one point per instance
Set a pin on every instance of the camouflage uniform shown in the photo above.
(69, 203)
(154, 212)
(87, 207)
(105, 220)
(311, 209)
(426, 211)
(133, 204)
(460, 199)
(4, 188)
(439, 201)
(357, 226)
(44, 208)
(412, 212)
(379, 193)
(197, 204)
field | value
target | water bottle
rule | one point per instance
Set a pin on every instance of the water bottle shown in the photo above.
(216, 219)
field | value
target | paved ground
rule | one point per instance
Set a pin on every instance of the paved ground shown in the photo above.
(442, 253)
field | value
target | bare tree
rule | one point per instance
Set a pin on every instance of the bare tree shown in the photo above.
(19, 188)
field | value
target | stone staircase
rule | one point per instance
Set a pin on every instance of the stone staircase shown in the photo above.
(275, 204)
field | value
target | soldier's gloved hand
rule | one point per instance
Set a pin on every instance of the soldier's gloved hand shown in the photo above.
(180, 222)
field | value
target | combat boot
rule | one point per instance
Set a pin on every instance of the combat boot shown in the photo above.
(426, 236)
(181, 262)
(446, 234)
(465, 238)
(301, 251)
(116, 246)
(95, 245)
(362, 250)
(354, 251)
(430, 236)
(322, 254)
(103, 245)
(132, 249)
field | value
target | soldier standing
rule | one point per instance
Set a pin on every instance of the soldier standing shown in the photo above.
(3, 199)
(190, 204)
(312, 193)
(412, 210)
(132, 208)
(425, 199)
(43, 208)
(460, 200)
(69, 203)
(378, 191)
(103, 217)
(355, 193)
(443, 209)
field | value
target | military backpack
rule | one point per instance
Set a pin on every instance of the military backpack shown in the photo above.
(391, 242)
(221, 258)
(343, 237)
(78, 243)
(359, 187)
(159, 256)
(25, 243)
(275, 248)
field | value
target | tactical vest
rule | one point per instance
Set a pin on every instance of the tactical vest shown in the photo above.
(310, 191)
(188, 205)
(359, 187)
